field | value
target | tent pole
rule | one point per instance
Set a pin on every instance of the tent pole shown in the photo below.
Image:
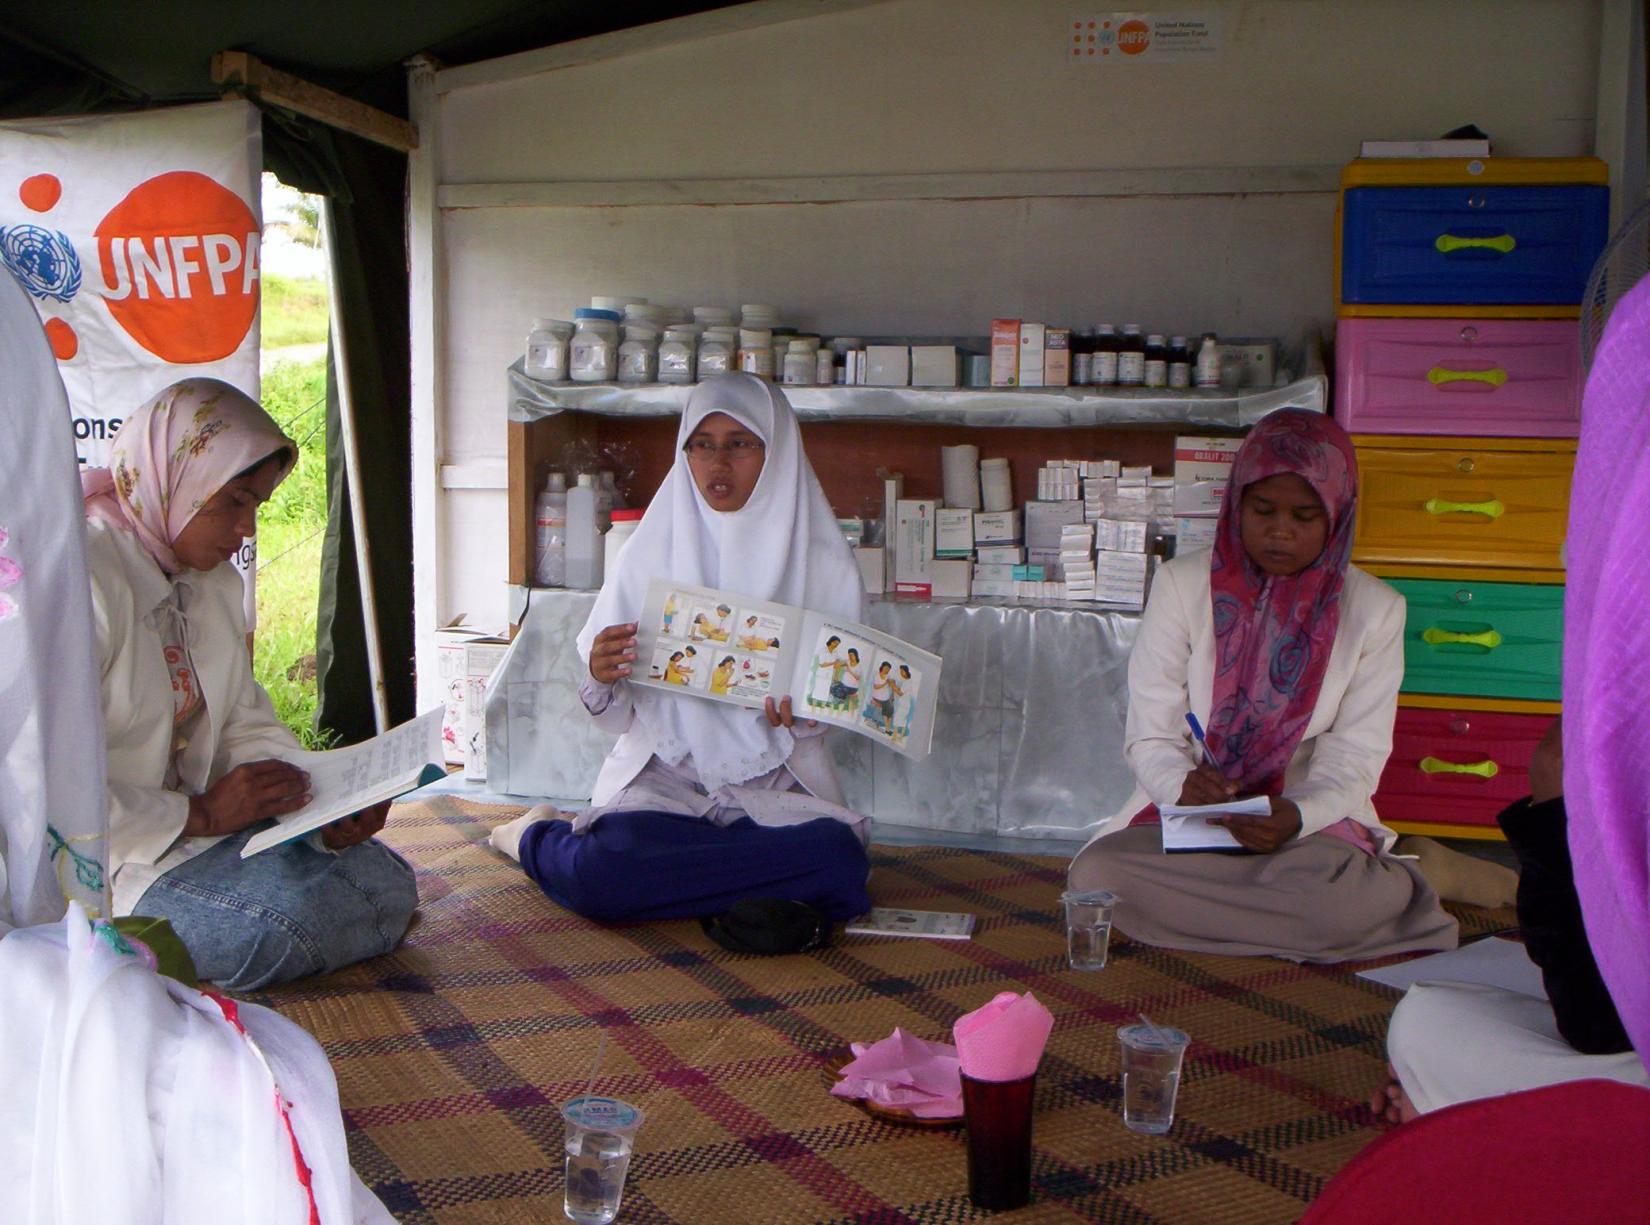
(352, 470)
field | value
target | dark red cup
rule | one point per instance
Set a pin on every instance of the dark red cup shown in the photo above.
(997, 1114)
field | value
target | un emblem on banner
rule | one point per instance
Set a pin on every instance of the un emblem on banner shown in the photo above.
(43, 261)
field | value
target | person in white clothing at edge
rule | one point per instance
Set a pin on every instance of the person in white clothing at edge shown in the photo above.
(194, 744)
(1290, 657)
(702, 805)
(129, 1096)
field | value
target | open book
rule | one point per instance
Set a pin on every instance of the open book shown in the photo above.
(731, 648)
(344, 781)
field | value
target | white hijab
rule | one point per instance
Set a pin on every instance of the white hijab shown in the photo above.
(54, 818)
(783, 545)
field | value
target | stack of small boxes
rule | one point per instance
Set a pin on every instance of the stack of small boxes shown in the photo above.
(1202, 470)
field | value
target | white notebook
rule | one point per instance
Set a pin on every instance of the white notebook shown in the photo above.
(1186, 827)
(931, 924)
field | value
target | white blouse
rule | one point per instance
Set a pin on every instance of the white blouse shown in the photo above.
(1338, 764)
(132, 614)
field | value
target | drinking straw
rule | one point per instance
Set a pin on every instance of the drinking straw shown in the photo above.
(601, 1043)
(1158, 1036)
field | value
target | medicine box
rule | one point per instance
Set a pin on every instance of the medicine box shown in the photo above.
(950, 579)
(991, 572)
(1192, 534)
(1202, 469)
(873, 568)
(954, 532)
(1028, 574)
(997, 527)
(887, 366)
(466, 658)
(914, 539)
(999, 554)
(934, 366)
(1005, 352)
(1045, 519)
(1057, 357)
(996, 589)
(1032, 337)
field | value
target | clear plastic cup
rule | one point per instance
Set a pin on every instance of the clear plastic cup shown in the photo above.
(1088, 928)
(600, 1132)
(1151, 1076)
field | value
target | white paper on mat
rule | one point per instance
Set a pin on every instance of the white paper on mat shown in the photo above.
(1186, 827)
(344, 781)
(1494, 962)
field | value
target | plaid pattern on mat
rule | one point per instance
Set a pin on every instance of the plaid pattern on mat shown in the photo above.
(453, 1053)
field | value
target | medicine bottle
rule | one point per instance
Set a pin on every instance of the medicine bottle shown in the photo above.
(584, 538)
(624, 526)
(1103, 366)
(593, 352)
(546, 356)
(639, 354)
(716, 351)
(1082, 357)
(677, 355)
(550, 532)
(800, 364)
(1180, 363)
(756, 352)
(1131, 358)
(1157, 361)
(1207, 373)
(824, 367)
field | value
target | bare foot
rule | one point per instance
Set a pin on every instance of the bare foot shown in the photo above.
(1390, 1103)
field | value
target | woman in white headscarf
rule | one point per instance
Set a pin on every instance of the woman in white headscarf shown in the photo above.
(700, 804)
(194, 746)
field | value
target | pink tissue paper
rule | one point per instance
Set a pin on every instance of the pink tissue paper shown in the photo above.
(1003, 1040)
(904, 1073)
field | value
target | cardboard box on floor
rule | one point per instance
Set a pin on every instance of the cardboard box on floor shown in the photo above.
(466, 658)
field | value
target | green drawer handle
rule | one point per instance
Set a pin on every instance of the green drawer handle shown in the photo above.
(1433, 636)
(1503, 243)
(1439, 375)
(1483, 769)
(1494, 508)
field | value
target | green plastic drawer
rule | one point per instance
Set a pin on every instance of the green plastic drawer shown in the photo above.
(1492, 640)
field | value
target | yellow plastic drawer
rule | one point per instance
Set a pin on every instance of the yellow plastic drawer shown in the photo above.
(1462, 502)
(1465, 171)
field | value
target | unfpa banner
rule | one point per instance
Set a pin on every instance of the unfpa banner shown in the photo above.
(137, 237)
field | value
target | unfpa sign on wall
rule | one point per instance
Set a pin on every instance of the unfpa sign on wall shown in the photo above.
(137, 237)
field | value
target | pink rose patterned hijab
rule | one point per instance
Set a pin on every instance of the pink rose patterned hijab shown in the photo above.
(1607, 664)
(1273, 635)
(173, 454)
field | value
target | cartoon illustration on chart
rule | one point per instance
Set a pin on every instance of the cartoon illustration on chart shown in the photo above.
(758, 634)
(671, 617)
(892, 701)
(710, 623)
(836, 672)
(677, 665)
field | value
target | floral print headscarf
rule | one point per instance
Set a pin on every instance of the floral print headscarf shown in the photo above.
(173, 454)
(1273, 635)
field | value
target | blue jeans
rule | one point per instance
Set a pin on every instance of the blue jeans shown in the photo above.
(286, 913)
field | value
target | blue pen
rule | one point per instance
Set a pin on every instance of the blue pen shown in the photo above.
(1197, 734)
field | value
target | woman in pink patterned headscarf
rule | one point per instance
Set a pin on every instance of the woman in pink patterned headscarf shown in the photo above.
(197, 759)
(1290, 658)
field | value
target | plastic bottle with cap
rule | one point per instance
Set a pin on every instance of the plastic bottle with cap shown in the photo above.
(593, 352)
(677, 355)
(550, 532)
(1131, 358)
(756, 352)
(624, 526)
(800, 364)
(1207, 369)
(584, 538)
(639, 354)
(718, 351)
(546, 352)
(1156, 368)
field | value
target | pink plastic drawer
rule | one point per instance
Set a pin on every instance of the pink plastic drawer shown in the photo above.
(1500, 377)
(1457, 767)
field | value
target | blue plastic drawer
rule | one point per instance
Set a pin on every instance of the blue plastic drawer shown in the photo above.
(1489, 246)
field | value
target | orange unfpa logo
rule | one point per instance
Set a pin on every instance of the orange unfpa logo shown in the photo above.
(180, 267)
(1133, 37)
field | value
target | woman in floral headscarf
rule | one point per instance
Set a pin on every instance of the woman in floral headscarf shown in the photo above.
(194, 747)
(1290, 658)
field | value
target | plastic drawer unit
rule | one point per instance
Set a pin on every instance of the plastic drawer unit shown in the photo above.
(1448, 376)
(1463, 502)
(1457, 767)
(1472, 639)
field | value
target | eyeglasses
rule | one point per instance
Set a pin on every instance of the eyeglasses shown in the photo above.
(735, 448)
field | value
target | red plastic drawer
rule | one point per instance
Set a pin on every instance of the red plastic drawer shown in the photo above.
(1457, 767)
(1514, 377)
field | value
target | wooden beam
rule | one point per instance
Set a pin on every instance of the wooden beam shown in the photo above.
(246, 73)
(734, 19)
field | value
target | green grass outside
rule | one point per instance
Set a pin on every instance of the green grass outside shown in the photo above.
(291, 526)
(294, 312)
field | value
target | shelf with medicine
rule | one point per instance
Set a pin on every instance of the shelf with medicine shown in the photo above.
(1458, 373)
(852, 432)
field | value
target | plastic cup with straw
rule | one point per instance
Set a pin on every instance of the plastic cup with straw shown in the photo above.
(600, 1135)
(1152, 1055)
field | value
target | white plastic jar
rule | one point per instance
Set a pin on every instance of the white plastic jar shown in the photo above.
(613, 540)
(799, 364)
(756, 352)
(718, 352)
(593, 352)
(639, 354)
(713, 316)
(677, 355)
(546, 355)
